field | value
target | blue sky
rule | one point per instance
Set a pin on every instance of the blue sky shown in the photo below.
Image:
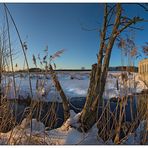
(60, 26)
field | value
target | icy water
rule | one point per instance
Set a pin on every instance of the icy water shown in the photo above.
(50, 109)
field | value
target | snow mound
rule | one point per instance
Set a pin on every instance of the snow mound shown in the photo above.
(25, 134)
(140, 84)
(73, 120)
(36, 126)
(138, 136)
(68, 134)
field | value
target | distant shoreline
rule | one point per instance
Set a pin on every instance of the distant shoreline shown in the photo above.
(117, 68)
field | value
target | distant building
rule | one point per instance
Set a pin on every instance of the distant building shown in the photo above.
(143, 70)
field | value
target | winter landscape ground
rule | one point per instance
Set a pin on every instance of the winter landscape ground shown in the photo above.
(75, 84)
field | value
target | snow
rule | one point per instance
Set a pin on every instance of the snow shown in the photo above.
(137, 137)
(75, 84)
(67, 134)
(73, 119)
(75, 87)
(133, 84)
(36, 125)
(21, 133)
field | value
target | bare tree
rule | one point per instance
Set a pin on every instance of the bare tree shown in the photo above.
(100, 70)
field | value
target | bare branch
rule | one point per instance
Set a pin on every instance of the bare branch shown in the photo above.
(110, 17)
(136, 28)
(110, 25)
(143, 6)
(133, 21)
(107, 38)
(111, 9)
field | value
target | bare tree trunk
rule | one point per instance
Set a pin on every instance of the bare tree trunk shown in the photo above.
(97, 85)
(89, 99)
(62, 94)
(94, 80)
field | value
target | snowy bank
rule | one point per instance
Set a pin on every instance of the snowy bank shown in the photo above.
(67, 134)
(74, 85)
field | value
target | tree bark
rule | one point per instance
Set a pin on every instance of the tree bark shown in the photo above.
(89, 99)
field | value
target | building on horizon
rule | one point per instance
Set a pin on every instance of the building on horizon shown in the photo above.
(143, 70)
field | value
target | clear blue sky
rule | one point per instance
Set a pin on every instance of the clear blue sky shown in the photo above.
(59, 26)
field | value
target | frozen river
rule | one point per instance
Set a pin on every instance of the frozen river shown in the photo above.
(74, 84)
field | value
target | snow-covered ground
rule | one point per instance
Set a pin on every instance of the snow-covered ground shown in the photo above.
(75, 84)
(67, 134)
